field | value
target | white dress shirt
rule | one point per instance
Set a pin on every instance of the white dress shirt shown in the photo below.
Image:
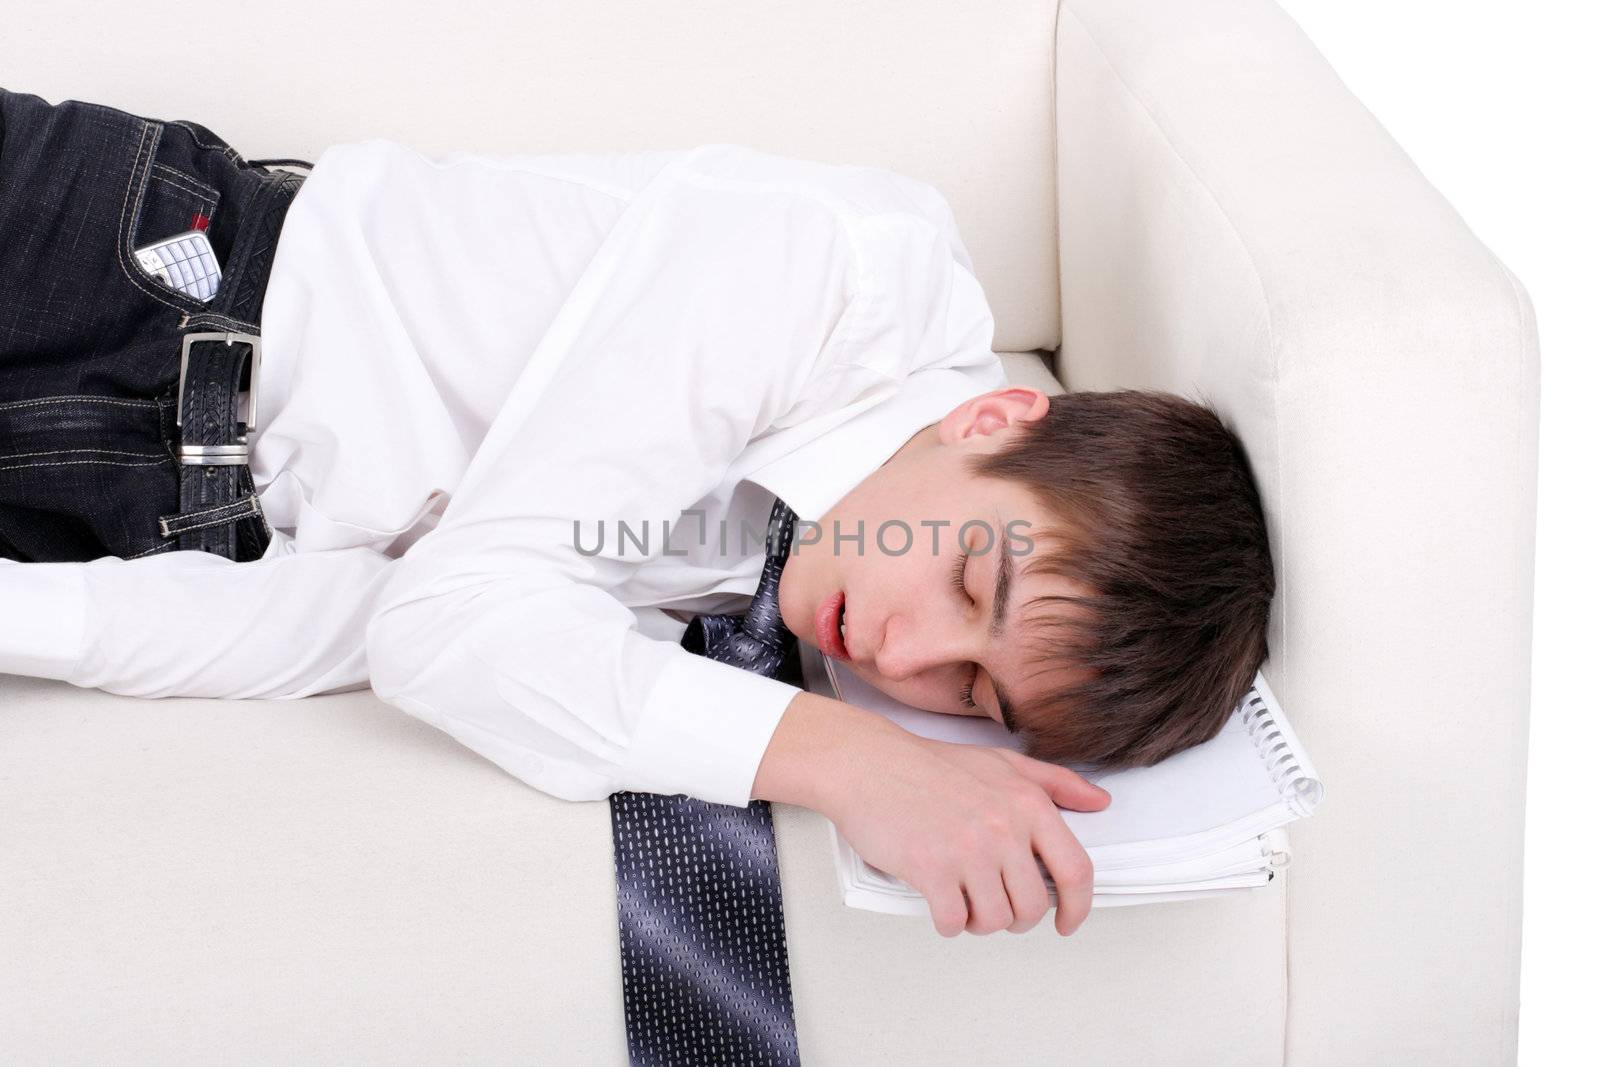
(465, 356)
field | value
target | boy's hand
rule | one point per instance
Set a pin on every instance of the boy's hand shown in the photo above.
(961, 824)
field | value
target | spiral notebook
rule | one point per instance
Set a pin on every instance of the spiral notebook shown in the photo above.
(1208, 821)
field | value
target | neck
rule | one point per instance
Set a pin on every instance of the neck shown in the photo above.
(915, 442)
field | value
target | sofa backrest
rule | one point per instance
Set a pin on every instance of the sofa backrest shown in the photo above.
(952, 92)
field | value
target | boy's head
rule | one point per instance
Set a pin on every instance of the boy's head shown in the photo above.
(1121, 535)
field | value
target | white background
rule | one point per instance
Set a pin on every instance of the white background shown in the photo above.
(1499, 105)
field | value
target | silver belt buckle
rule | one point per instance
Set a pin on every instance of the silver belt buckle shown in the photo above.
(230, 454)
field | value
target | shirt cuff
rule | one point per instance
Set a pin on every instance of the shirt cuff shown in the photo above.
(704, 728)
(43, 618)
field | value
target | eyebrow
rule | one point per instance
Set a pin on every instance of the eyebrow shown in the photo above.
(1002, 601)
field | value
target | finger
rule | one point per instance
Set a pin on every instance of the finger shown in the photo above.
(988, 905)
(1030, 900)
(1066, 787)
(946, 906)
(1072, 872)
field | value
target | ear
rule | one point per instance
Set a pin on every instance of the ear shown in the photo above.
(984, 416)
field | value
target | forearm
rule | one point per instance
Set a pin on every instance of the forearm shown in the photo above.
(193, 624)
(821, 748)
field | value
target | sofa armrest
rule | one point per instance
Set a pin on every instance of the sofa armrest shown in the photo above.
(1236, 226)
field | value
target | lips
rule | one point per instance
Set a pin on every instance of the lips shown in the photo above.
(828, 615)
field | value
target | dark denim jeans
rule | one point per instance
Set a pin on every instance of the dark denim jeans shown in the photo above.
(89, 343)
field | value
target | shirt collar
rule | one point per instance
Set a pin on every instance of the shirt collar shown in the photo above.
(815, 476)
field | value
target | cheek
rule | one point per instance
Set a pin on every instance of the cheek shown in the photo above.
(929, 696)
(907, 561)
(888, 579)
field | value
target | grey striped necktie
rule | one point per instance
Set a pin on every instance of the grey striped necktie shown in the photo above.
(705, 967)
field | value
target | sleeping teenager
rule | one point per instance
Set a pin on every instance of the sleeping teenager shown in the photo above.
(508, 423)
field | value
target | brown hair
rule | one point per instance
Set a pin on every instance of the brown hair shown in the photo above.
(1161, 522)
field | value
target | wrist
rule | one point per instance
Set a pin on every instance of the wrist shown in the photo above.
(818, 751)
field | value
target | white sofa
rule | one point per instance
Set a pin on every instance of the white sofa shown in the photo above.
(1175, 194)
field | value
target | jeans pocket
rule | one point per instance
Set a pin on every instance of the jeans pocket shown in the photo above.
(162, 200)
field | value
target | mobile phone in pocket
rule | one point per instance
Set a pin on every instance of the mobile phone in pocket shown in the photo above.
(185, 262)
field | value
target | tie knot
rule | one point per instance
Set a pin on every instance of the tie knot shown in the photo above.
(757, 640)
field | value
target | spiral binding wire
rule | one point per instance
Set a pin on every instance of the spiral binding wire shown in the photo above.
(1298, 789)
(1277, 859)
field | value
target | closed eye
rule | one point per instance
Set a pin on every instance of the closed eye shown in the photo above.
(958, 579)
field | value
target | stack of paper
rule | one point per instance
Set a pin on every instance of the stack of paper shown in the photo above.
(1204, 822)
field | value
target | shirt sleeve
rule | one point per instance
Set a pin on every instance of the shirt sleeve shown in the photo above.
(711, 305)
(193, 623)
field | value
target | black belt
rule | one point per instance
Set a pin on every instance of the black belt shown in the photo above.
(218, 510)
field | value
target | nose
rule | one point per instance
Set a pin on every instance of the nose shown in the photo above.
(912, 648)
